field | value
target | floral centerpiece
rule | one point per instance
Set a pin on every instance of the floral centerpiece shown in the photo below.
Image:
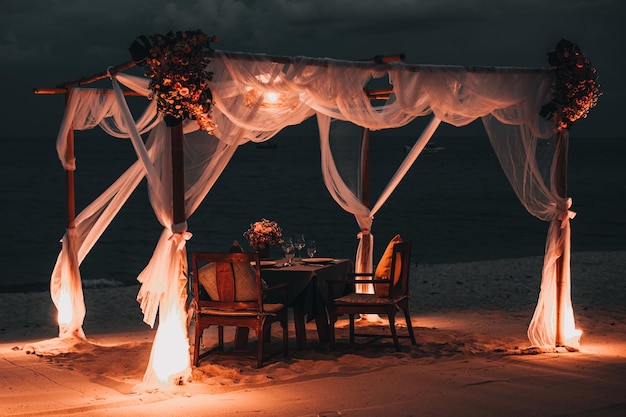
(576, 89)
(263, 234)
(177, 67)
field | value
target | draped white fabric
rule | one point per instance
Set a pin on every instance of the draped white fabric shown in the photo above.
(164, 279)
(254, 98)
(348, 198)
(84, 110)
(529, 166)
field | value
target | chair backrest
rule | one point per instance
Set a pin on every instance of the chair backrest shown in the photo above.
(401, 256)
(224, 271)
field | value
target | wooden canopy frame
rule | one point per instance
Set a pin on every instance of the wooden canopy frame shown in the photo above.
(379, 62)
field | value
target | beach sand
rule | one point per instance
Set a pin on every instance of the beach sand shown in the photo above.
(472, 356)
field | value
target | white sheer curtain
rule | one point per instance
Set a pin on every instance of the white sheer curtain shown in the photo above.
(164, 279)
(86, 109)
(347, 197)
(528, 163)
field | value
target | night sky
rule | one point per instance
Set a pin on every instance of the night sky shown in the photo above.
(45, 42)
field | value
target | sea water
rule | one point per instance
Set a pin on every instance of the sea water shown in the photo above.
(455, 203)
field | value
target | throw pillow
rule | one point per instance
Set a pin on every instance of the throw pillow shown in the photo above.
(206, 276)
(245, 278)
(236, 247)
(383, 269)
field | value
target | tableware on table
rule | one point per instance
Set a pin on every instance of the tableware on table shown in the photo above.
(311, 248)
(318, 260)
(265, 264)
(299, 243)
(288, 248)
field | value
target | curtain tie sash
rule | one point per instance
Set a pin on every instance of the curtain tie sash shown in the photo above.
(180, 239)
(362, 233)
(565, 214)
(180, 235)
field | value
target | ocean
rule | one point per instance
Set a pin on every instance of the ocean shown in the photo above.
(455, 203)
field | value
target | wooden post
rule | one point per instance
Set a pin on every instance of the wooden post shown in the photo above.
(70, 191)
(365, 192)
(178, 173)
(70, 188)
(365, 167)
(560, 182)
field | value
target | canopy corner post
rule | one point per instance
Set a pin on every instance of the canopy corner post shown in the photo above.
(178, 173)
(365, 167)
(364, 186)
(70, 187)
(560, 183)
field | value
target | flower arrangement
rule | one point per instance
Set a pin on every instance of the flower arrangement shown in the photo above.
(264, 233)
(576, 89)
(177, 67)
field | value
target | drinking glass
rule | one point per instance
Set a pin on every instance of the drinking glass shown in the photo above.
(299, 243)
(288, 248)
(311, 248)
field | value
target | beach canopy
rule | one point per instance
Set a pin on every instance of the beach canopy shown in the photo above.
(235, 98)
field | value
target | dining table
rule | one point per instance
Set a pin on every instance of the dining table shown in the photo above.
(307, 291)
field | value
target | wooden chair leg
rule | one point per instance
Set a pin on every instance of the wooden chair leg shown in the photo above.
(283, 324)
(220, 338)
(241, 337)
(321, 323)
(351, 329)
(260, 333)
(394, 333)
(409, 325)
(331, 334)
(268, 334)
(300, 326)
(196, 345)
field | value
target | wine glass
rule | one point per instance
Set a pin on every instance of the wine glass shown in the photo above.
(311, 248)
(299, 243)
(288, 248)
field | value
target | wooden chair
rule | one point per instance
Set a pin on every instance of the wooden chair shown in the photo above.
(355, 303)
(234, 298)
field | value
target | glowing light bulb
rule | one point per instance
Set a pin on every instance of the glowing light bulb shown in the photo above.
(271, 97)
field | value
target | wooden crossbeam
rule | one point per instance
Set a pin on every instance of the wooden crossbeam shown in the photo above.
(63, 88)
(379, 94)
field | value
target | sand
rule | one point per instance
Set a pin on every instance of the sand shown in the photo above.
(472, 356)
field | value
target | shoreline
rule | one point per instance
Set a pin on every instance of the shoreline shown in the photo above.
(35, 287)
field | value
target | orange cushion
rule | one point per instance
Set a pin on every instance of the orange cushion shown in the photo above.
(383, 269)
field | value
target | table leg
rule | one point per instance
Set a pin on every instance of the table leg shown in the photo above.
(300, 324)
(323, 327)
(241, 337)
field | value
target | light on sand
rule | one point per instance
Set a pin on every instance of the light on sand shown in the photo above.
(571, 334)
(65, 308)
(171, 349)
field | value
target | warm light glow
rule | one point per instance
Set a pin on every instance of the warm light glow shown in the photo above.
(571, 335)
(572, 339)
(65, 308)
(267, 99)
(170, 359)
(271, 97)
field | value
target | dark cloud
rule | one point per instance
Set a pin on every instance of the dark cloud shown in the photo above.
(44, 42)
